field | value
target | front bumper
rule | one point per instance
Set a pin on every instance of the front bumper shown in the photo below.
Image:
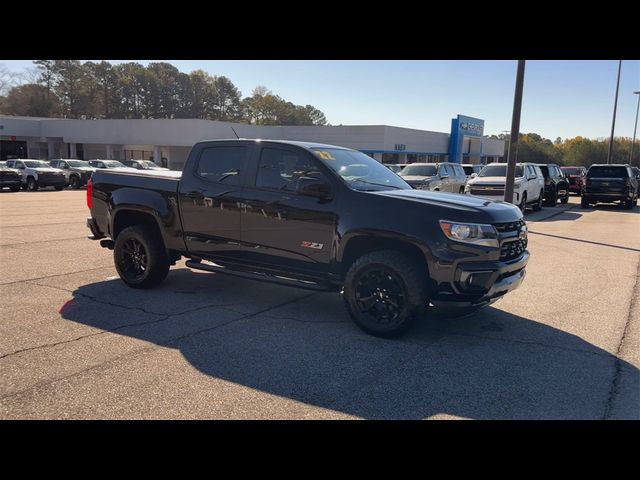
(52, 182)
(11, 183)
(497, 198)
(481, 283)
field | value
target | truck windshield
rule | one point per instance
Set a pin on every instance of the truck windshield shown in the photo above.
(77, 163)
(147, 164)
(113, 164)
(606, 171)
(36, 164)
(420, 170)
(571, 171)
(499, 171)
(360, 171)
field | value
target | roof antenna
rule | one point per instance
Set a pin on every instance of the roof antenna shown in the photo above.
(234, 131)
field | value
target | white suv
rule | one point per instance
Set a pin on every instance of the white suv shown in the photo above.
(528, 189)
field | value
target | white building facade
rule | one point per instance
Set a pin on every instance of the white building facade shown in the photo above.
(170, 140)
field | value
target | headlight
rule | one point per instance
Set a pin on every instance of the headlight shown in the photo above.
(467, 188)
(473, 233)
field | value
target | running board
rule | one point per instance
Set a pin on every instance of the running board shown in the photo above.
(261, 277)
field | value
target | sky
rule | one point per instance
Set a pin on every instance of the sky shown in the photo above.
(562, 98)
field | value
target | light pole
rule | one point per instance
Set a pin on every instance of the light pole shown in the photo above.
(613, 122)
(515, 131)
(635, 127)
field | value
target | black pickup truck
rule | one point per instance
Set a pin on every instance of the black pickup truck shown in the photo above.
(312, 216)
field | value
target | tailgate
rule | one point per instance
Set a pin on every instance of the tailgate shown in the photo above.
(606, 185)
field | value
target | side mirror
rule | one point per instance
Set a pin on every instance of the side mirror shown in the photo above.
(313, 187)
(443, 176)
(474, 175)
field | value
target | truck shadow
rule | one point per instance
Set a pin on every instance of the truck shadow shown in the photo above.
(487, 365)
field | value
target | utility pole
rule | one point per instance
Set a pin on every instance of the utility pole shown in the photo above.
(633, 142)
(515, 131)
(613, 122)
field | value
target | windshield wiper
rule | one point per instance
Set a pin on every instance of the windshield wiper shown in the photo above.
(377, 184)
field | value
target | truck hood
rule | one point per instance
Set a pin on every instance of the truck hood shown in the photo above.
(461, 207)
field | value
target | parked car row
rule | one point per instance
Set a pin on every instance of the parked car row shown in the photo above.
(536, 185)
(31, 175)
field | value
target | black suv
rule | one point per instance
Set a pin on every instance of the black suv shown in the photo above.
(556, 185)
(610, 183)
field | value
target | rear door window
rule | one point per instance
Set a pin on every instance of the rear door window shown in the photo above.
(222, 164)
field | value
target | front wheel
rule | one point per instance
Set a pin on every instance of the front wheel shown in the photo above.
(32, 184)
(385, 293)
(140, 257)
(59, 187)
(538, 206)
(523, 202)
(565, 199)
(15, 188)
(74, 182)
(584, 203)
(552, 199)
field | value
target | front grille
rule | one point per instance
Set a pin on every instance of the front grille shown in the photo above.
(8, 175)
(511, 250)
(487, 189)
(509, 227)
(50, 177)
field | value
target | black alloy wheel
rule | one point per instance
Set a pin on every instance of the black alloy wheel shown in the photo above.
(133, 260)
(379, 295)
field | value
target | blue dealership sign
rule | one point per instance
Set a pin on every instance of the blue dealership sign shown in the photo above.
(461, 127)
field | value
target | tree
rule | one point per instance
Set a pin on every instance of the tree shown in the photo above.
(315, 115)
(227, 100)
(30, 100)
(70, 87)
(47, 73)
(7, 79)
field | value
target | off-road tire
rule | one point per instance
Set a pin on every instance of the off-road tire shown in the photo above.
(409, 277)
(156, 258)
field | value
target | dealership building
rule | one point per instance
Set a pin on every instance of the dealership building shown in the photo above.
(172, 139)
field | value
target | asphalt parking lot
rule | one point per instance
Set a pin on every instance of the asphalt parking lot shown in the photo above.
(76, 343)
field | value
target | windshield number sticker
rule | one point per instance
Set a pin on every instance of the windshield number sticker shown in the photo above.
(325, 155)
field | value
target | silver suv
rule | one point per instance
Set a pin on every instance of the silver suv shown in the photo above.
(76, 172)
(437, 177)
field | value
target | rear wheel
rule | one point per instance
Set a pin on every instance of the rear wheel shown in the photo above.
(58, 188)
(385, 293)
(140, 257)
(627, 204)
(32, 184)
(461, 190)
(584, 203)
(565, 199)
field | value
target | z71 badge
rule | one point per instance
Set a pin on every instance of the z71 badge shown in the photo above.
(317, 246)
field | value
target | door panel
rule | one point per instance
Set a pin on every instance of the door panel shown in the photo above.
(211, 201)
(280, 227)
